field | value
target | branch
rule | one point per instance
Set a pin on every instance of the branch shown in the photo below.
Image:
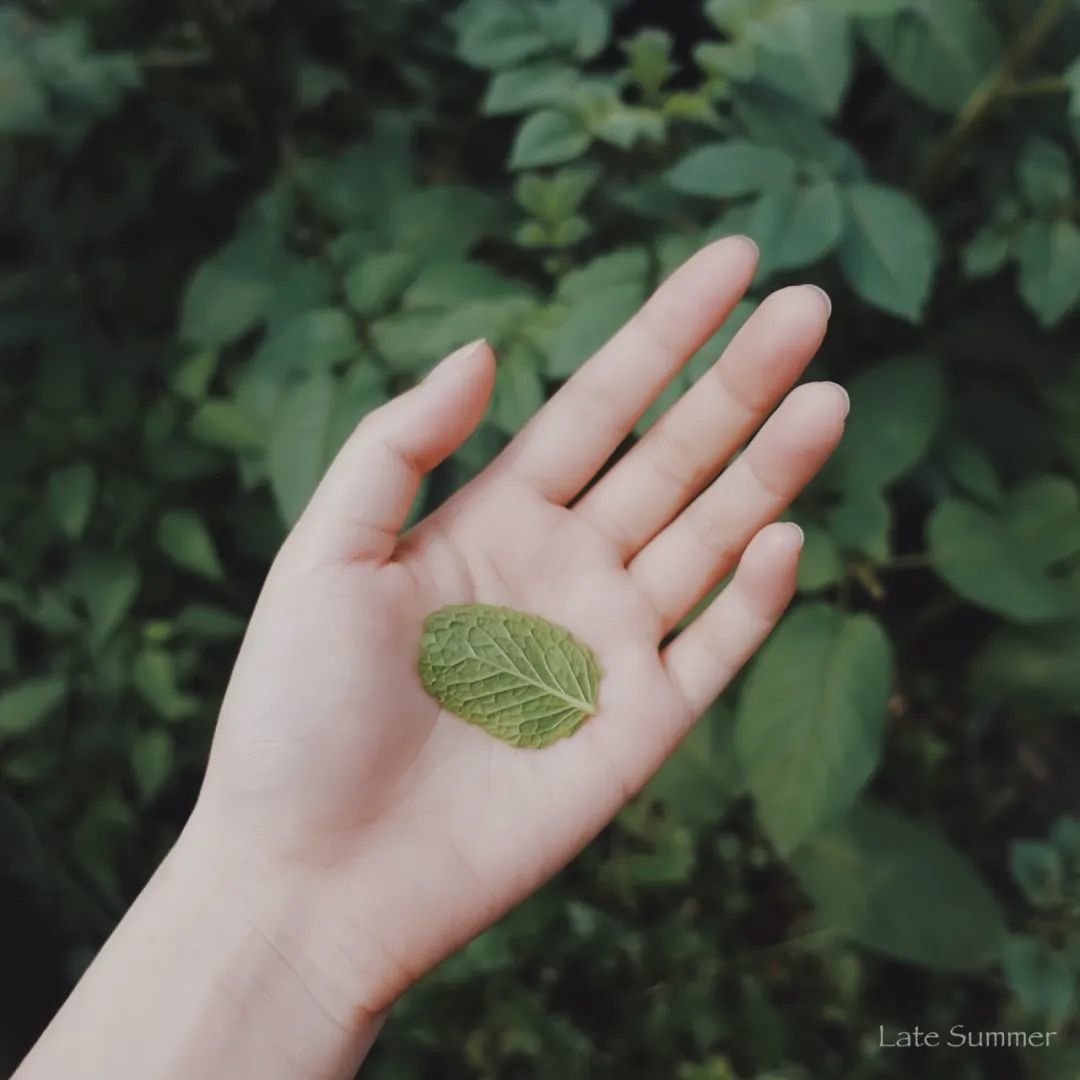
(1002, 85)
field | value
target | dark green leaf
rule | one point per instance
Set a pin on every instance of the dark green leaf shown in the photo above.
(185, 539)
(549, 137)
(812, 719)
(27, 704)
(899, 887)
(727, 170)
(71, 495)
(889, 250)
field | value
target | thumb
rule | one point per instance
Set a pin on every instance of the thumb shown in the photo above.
(361, 504)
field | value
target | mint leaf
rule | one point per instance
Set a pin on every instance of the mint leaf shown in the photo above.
(521, 679)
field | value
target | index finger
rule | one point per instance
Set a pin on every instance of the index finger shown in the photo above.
(565, 444)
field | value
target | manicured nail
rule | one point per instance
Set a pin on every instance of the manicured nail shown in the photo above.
(749, 240)
(847, 397)
(824, 296)
(797, 530)
(449, 365)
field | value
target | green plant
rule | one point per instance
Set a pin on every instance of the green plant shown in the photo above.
(234, 227)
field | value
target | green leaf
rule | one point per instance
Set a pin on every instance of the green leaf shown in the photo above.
(814, 225)
(225, 424)
(1037, 868)
(648, 60)
(498, 34)
(152, 757)
(71, 495)
(807, 53)
(1049, 258)
(580, 27)
(24, 100)
(193, 377)
(309, 341)
(375, 284)
(622, 267)
(1072, 79)
(1031, 665)
(519, 390)
(860, 522)
(987, 251)
(107, 586)
(699, 781)
(898, 886)
(27, 704)
(231, 292)
(896, 410)
(298, 450)
(1046, 174)
(730, 169)
(153, 675)
(441, 220)
(985, 560)
(971, 470)
(556, 198)
(549, 137)
(940, 53)
(889, 250)
(185, 539)
(521, 679)
(1044, 515)
(820, 564)
(530, 86)
(1040, 977)
(812, 719)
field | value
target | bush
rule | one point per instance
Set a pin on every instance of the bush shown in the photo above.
(234, 227)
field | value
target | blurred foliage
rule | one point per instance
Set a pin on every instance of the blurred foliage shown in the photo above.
(232, 227)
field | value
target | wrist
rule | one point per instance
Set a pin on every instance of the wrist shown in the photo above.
(194, 982)
(259, 936)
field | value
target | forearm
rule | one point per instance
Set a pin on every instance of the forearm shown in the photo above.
(191, 984)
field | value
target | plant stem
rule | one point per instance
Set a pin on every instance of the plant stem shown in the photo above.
(999, 87)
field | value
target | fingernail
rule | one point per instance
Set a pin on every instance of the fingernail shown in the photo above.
(447, 367)
(847, 397)
(751, 242)
(797, 530)
(824, 296)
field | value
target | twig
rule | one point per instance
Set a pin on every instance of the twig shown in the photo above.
(1000, 86)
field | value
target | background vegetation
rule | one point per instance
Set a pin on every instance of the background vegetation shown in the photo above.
(231, 227)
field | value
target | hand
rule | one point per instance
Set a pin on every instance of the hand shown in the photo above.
(396, 831)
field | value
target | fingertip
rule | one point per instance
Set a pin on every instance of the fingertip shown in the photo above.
(769, 566)
(476, 356)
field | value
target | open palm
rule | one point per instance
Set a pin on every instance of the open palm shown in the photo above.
(407, 830)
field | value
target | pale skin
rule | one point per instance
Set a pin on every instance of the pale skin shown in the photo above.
(350, 834)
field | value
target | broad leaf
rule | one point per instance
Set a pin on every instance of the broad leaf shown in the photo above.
(531, 86)
(1049, 257)
(727, 170)
(889, 250)
(549, 137)
(812, 719)
(185, 539)
(901, 888)
(522, 679)
(896, 411)
(1030, 665)
(71, 495)
(27, 704)
(152, 756)
(498, 33)
(939, 52)
(984, 558)
(807, 53)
